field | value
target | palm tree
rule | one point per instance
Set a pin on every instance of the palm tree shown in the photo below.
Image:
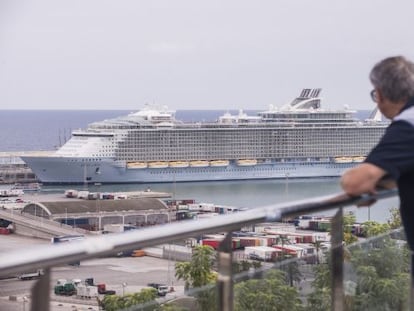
(293, 273)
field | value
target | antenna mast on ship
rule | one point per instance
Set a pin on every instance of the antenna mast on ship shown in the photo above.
(85, 182)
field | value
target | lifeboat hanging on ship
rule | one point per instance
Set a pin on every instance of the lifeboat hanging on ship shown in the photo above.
(246, 162)
(199, 163)
(137, 165)
(343, 160)
(158, 164)
(217, 163)
(178, 164)
(358, 159)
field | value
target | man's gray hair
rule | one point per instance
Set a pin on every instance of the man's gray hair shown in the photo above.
(394, 77)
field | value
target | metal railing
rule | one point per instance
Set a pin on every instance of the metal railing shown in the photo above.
(47, 256)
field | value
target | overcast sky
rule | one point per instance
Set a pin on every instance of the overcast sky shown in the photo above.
(188, 54)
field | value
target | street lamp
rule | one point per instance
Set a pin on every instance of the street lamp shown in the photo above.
(98, 207)
(24, 302)
(123, 288)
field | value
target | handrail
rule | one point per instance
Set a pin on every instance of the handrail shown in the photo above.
(46, 256)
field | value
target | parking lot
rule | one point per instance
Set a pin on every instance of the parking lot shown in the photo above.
(124, 275)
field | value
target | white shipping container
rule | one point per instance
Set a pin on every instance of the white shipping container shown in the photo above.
(260, 252)
(83, 194)
(86, 291)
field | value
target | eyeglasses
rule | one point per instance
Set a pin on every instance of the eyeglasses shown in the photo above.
(374, 95)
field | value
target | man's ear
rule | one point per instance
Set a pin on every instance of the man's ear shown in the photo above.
(380, 96)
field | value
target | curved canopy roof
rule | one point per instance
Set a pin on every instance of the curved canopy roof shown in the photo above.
(92, 206)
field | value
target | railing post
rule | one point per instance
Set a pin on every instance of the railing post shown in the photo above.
(225, 274)
(411, 302)
(337, 252)
(41, 293)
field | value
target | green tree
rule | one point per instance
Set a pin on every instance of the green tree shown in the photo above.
(373, 228)
(395, 218)
(382, 275)
(381, 278)
(198, 273)
(320, 298)
(293, 273)
(270, 293)
(349, 220)
(240, 266)
(145, 297)
(381, 267)
(113, 302)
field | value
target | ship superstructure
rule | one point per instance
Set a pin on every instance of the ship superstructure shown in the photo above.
(300, 139)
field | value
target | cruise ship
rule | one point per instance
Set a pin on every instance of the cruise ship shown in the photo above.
(298, 140)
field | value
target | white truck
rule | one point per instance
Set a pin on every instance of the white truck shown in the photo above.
(30, 275)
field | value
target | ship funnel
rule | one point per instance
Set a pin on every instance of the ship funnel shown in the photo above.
(310, 93)
(308, 98)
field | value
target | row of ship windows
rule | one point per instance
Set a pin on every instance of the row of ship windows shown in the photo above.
(214, 142)
(240, 154)
(251, 143)
(263, 153)
(231, 135)
(243, 145)
(242, 169)
(231, 148)
(257, 130)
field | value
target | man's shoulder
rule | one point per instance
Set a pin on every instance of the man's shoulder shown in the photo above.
(407, 115)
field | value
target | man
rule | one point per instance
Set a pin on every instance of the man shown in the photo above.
(393, 157)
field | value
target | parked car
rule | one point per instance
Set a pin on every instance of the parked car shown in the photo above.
(162, 289)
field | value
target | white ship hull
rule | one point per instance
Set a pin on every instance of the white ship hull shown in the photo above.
(61, 170)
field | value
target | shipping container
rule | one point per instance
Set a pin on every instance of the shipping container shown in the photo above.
(291, 250)
(214, 243)
(249, 241)
(324, 225)
(4, 230)
(264, 253)
(87, 291)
